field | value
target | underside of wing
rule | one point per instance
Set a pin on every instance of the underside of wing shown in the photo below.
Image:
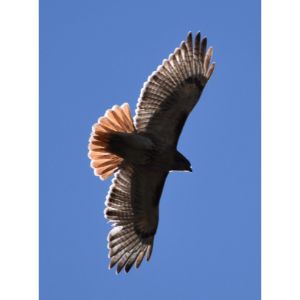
(171, 92)
(132, 208)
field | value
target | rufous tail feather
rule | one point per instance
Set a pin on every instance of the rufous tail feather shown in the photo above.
(116, 119)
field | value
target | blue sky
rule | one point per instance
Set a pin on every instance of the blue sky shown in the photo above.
(94, 55)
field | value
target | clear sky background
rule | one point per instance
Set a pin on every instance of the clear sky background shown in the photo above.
(94, 54)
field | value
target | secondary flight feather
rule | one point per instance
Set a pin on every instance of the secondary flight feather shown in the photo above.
(140, 152)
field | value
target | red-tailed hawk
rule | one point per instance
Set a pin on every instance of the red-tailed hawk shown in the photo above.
(141, 152)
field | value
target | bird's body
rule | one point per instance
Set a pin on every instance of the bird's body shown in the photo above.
(142, 152)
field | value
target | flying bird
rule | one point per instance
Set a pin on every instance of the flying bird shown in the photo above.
(140, 152)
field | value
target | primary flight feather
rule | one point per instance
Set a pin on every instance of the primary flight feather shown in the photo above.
(141, 152)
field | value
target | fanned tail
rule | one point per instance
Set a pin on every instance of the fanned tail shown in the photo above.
(116, 119)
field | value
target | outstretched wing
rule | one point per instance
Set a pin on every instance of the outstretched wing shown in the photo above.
(172, 91)
(132, 206)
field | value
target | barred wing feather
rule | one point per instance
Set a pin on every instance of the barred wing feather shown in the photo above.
(132, 207)
(172, 91)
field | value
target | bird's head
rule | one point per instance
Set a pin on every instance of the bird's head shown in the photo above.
(181, 163)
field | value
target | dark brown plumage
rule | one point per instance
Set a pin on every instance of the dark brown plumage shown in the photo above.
(143, 151)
